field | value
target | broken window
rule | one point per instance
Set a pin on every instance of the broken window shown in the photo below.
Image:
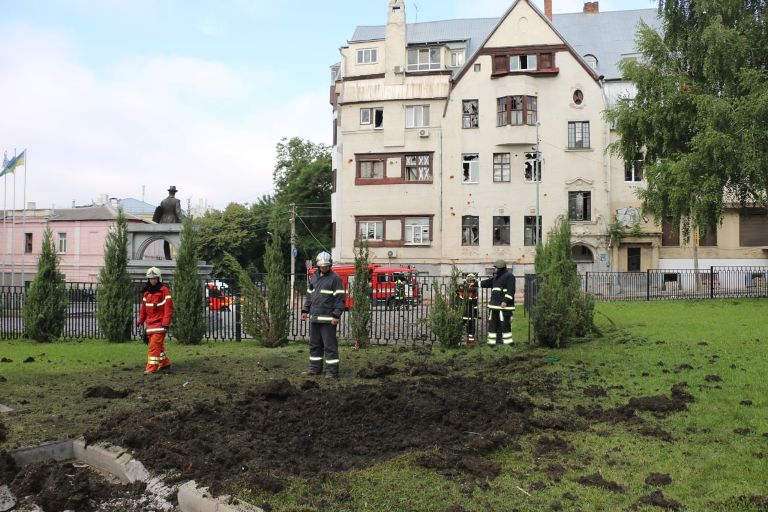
(418, 168)
(471, 169)
(469, 114)
(470, 230)
(501, 230)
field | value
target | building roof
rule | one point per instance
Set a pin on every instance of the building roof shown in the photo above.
(131, 205)
(86, 213)
(609, 36)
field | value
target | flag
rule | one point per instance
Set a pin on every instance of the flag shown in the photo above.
(13, 163)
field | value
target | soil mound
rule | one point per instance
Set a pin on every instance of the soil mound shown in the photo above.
(597, 480)
(104, 392)
(657, 499)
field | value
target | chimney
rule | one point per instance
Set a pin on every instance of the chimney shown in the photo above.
(591, 7)
(548, 9)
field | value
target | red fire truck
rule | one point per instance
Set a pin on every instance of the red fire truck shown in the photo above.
(392, 286)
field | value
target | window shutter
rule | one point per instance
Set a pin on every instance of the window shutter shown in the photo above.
(500, 64)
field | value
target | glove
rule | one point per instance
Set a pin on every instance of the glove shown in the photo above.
(144, 335)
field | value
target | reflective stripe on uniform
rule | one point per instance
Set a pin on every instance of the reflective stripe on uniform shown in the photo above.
(331, 361)
(327, 292)
(327, 319)
(155, 329)
(315, 358)
(339, 292)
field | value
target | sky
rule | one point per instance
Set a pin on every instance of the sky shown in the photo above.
(126, 97)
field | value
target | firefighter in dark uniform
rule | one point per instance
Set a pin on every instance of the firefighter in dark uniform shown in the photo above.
(323, 306)
(467, 294)
(501, 304)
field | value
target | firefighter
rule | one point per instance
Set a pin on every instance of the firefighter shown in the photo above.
(501, 304)
(324, 305)
(157, 312)
(467, 294)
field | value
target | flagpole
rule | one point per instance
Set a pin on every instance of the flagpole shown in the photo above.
(13, 228)
(5, 213)
(24, 215)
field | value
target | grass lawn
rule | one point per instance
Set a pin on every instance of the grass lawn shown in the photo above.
(715, 453)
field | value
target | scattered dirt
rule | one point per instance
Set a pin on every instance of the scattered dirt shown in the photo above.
(555, 471)
(3, 434)
(3, 379)
(657, 499)
(658, 479)
(597, 480)
(713, 378)
(746, 402)
(657, 433)
(679, 394)
(377, 372)
(742, 431)
(6, 360)
(595, 391)
(104, 392)
(30, 359)
(545, 445)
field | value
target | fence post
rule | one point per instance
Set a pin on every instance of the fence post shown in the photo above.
(711, 282)
(586, 282)
(648, 285)
(238, 320)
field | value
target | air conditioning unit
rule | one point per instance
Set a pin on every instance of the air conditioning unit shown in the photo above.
(423, 132)
(399, 69)
(391, 254)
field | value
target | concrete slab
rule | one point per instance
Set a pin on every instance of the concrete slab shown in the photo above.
(196, 499)
(56, 450)
(5, 409)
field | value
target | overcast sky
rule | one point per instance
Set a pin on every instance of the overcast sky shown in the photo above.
(127, 97)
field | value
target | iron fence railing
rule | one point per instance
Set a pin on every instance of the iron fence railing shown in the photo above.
(407, 322)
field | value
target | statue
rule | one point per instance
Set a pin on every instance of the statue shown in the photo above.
(169, 212)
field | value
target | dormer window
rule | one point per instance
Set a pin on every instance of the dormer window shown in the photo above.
(457, 58)
(423, 59)
(367, 56)
(536, 62)
(591, 61)
(522, 62)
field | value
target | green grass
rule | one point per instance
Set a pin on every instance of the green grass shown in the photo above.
(647, 348)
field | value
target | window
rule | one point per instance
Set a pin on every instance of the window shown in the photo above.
(27, 243)
(516, 110)
(416, 116)
(501, 230)
(578, 97)
(578, 135)
(579, 205)
(470, 168)
(753, 228)
(532, 167)
(670, 233)
(371, 230)
(423, 59)
(417, 230)
(367, 56)
(591, 61)
(633, 171)
(457, 58)
(418, 168)
(708, 238)
(470, 230)
(531, 235)
(633, 259)
(373, 116)
(469, 109)
(501, 169)
(522, 62)
(477, 68)
(62, 242)
(372, 169)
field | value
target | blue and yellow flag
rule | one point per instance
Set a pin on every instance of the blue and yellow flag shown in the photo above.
(13, 163)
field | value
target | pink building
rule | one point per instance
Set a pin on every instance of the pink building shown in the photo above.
(79, 235)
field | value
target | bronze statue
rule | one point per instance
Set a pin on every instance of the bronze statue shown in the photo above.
(169, 212)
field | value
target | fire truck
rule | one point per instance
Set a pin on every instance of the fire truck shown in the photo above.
(386, 285)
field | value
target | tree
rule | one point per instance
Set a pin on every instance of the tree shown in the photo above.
(114, 299)
(446, 317)
(45, 303)
(561, 311)
(189, 323)
(303, 178)
(360, 313)
(700, 115)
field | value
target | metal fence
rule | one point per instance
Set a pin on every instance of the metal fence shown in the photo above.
(409, 322)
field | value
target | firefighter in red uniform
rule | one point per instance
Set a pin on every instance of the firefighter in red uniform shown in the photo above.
(157, 312)
(467, 295)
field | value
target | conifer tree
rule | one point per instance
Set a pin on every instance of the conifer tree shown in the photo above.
(115, 294)
(360, 313)
(189, 323)
(45, 303)
(278, 293)
(446, 317)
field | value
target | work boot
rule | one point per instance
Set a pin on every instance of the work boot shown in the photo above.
(331, 376)
(311, 373)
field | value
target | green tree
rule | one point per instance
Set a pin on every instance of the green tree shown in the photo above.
(45, 303)
(114, 299)
(446, 316)
(700, 115)
(189, 323)
(360, 313)
(239, 231)
(561, 311)
(303, 180)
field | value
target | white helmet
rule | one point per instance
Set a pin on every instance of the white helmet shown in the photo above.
(471, 277)
(323, 259)
(154, 272)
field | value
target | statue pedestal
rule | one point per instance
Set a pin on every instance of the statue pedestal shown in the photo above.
(140, 236)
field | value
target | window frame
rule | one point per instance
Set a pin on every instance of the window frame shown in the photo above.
(421, 226)
(585, 142)
(457, 58)
(28, 243)
(365, 115)
(470, 120)
(502, 167)
(373, 56)
(530, 236)
(524, 106)
(61, 243)
(466, 177)
(500, 228)
(518, 59)
(631, 173)
(411, 118)
(375, 221)
(670, 233)
(584, 206)
(419, 166)
(470, 230)
(372, 160)
(429, 64)
(534, 159)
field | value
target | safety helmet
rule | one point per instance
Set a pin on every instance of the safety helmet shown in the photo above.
(154, 272)
(500, 264)
(471, 277)
(323, 259)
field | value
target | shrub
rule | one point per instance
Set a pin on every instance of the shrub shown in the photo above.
(189, 324)
(447, 312)
(114, 298)
(45, 303)
(360, 313)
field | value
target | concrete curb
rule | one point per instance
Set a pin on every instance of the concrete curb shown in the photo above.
(116, 461)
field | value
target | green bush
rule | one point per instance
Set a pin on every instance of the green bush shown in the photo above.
(447, 312)
(561, 311)
(114, 298)
(189, 324)
(360, 313)
(45, 303)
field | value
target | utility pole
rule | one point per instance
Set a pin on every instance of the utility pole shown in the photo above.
(293, 245)
(537, 176)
